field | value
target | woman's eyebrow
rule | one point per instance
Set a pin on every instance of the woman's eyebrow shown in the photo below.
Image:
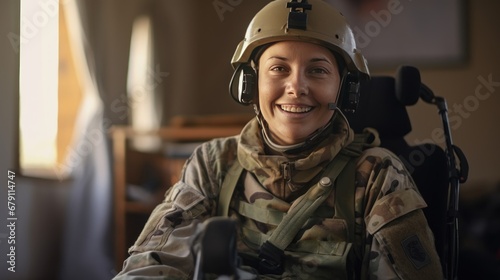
(320, 59)
(315, 59)
(277, 57)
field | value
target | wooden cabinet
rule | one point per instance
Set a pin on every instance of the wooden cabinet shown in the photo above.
(153, 172)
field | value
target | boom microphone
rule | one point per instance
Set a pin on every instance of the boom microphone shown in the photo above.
(427, 94)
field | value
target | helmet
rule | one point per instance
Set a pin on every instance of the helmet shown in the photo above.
(313, 21)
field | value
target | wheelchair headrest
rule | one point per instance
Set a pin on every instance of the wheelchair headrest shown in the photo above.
(380, 108)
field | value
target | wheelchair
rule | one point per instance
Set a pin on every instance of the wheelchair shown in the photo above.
(437, 172)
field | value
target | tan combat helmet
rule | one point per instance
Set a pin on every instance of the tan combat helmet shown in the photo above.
(313, 21)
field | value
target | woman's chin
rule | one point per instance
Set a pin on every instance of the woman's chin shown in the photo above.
(291, 138)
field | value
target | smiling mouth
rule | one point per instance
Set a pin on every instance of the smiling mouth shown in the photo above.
(295, 109)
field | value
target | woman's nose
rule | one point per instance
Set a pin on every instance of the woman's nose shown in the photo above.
(297, 84)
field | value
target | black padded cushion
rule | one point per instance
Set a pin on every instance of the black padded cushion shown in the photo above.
(379, 108)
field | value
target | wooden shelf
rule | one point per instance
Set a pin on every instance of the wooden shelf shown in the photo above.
(182, 134)
(138, 207)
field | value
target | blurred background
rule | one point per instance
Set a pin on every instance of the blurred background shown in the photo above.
(79, 75)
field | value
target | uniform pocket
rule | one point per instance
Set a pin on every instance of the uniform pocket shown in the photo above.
(328, 260)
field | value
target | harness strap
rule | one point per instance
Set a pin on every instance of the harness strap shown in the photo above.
(259, 214)
(344, 198)
(344, 209)
(231, 179)
(272, 251)
(227, 189)
(303, 208)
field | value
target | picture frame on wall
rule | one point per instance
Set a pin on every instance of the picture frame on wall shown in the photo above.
(423, 33)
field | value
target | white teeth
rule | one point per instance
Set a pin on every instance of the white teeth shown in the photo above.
(295, 109)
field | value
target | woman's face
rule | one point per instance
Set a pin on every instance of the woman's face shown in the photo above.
(297, 80)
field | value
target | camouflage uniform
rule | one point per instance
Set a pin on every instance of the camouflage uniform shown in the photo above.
(392, 238)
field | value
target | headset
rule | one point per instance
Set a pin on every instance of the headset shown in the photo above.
(244, 83)
(243, 88)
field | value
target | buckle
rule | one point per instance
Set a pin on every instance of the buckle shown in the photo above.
(270, 267)
(271, 259)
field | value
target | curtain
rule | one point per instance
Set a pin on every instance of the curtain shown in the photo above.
(87, 246)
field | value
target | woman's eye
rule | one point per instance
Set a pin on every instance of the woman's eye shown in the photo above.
(278, 68)
(319, 71)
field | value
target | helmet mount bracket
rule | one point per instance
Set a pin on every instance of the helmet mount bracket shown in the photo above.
(297, 17)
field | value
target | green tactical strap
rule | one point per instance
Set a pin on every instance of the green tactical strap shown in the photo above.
(344, 207)
(344, 197)
(262, 215)
(305, 205)
(230, 181)
(272, 251)
(228, 187)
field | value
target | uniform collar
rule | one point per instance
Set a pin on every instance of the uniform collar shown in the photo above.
(283, 174)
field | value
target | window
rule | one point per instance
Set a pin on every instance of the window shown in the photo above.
(145, 112)
(50, 94)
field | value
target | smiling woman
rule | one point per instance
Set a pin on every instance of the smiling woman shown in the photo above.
(297, 81)
(309, 199)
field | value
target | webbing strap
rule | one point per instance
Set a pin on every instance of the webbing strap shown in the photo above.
(228, 187)
(231, 179)
(262, 215)
(305, 205)
(344, 197)
(272, 251)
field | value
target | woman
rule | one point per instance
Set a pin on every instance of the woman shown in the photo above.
(288, 178)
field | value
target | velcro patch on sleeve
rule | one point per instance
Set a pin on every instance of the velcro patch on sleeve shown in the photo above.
(187, 198)
(392, 206)
(408, 244)
(415, 251)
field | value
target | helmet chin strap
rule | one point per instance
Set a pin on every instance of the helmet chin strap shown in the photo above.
(314, 139)
(286, 149)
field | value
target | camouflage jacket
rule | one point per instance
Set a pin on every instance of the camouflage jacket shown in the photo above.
(392, 238)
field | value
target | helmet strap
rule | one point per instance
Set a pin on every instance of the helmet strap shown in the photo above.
(312, 141)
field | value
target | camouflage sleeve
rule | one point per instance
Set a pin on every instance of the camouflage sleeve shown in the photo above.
(163, 249)
(400, 244)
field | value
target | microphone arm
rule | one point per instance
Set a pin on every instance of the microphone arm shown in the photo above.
(456, 176)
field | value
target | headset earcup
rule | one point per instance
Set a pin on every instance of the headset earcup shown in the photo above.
(247, 85)
(349, 93)
(243, 85)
